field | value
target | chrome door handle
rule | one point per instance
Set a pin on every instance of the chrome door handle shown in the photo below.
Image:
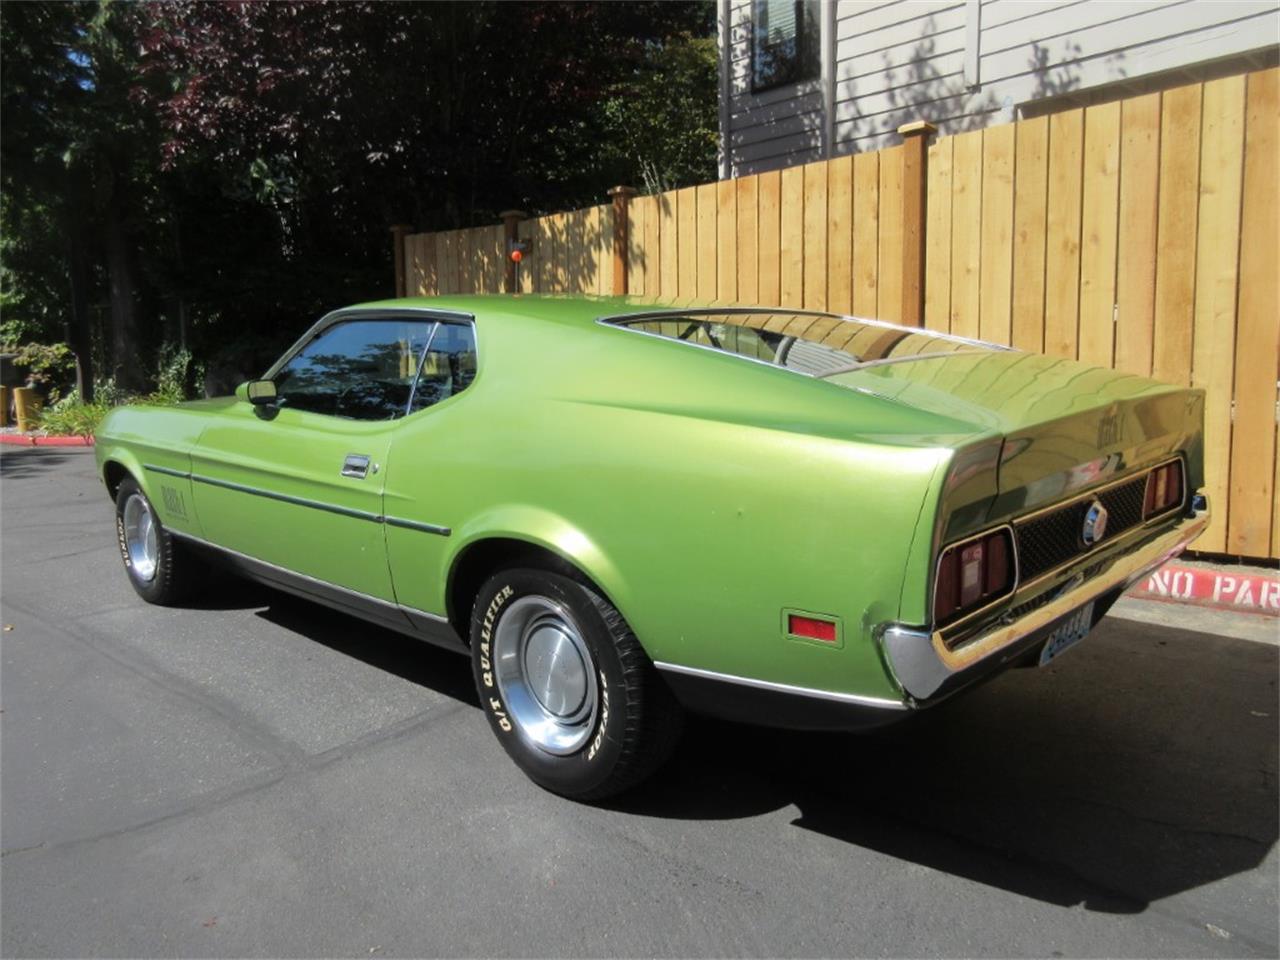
(356, 466)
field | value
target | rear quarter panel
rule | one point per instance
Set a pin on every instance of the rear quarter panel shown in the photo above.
(704, 499)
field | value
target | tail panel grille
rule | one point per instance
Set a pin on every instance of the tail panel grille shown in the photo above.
(1051, 539)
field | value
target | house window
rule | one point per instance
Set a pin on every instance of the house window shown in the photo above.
(784, 42)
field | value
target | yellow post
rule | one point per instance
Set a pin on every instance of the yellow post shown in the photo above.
(4, 406)
(26, 404)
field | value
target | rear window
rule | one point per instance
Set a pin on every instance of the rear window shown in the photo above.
(817, 344)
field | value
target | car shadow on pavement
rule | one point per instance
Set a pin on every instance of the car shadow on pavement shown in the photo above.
(403, 656)
(1141, 766)
(22, 462)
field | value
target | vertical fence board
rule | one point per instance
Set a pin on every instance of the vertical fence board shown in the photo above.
(636, 211)
(791, 238)
(748, 278)
(525, 231)
(840, 235)
(1139, 209)
(726, 241)
(1098, 229)
(652, 253)
(670, 240)
(1062, 247)
(889, 268)
(577, 251)
(966, 233)
(687, 225)
(545, 260)
(866, 233)
(1213, 340)
(707, 233)
(1253, 449)
(1176, 234)
(431, 266)
(604, 249)
(769, 242)
(937, 272)
(463, 266)
(995, 322)
(445, 261)
(1031, 186)
(815, 236)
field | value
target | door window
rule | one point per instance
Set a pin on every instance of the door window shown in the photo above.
(360, 369)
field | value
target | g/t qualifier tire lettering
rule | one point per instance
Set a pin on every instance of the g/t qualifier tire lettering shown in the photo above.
(636, 719)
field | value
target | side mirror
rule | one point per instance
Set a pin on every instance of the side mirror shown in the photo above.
(260, 393)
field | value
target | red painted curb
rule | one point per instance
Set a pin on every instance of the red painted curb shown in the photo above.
(21, 439)
(1224, 589)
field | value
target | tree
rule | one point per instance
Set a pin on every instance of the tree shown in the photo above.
(232, 168)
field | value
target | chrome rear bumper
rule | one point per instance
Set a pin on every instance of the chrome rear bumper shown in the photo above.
(926, 668)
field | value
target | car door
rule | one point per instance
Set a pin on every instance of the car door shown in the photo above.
(298, 485)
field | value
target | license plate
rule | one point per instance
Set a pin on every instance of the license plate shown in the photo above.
(1070, 632)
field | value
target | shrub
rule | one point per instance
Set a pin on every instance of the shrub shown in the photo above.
(73, 419)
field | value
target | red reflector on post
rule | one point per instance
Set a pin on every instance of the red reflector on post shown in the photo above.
(811, 628)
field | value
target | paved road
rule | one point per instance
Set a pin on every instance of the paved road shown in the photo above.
(260, 777)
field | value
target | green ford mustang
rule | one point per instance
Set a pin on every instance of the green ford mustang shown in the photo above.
(618, 511)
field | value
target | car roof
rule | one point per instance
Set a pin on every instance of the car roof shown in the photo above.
(561, 308)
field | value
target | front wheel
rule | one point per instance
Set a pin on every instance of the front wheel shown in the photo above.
(566, 686)
(161, 570)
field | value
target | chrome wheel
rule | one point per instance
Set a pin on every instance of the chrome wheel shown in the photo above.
(546, 674)
(141, 537)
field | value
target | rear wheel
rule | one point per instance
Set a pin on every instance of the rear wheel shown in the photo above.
(568, 690)
(161, 570)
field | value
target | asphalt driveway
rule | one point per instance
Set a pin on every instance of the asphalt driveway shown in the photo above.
(258, 776)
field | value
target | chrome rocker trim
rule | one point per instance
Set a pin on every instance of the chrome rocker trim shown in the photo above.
(785, 688)
(925, 668)
(748, 700)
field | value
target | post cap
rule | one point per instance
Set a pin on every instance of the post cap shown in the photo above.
(622, 191)
(512, 215)
(923, 127)
(401, 227)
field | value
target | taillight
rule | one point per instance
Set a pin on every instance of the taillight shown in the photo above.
(1164, 490)
(972, 574)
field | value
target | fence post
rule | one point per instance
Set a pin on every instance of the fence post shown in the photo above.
(510, 234)
(915, 174)
(398, 233)
(621, 199)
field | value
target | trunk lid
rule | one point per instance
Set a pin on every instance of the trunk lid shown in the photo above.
(1053, 427)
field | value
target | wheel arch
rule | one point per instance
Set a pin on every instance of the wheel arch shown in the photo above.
(483, 556)
(118, 466)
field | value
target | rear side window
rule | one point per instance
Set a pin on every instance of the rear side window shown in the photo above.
(448, 366)
(378, 369)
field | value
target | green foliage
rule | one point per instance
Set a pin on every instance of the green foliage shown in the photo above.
(172, 371)
(663, 121)
(47, 364)
(75, 419)
(219, 174)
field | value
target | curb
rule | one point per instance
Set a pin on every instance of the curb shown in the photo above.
(1224, 588)
(21, 439)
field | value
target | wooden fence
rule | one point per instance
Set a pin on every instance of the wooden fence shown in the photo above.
(1141, 234)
